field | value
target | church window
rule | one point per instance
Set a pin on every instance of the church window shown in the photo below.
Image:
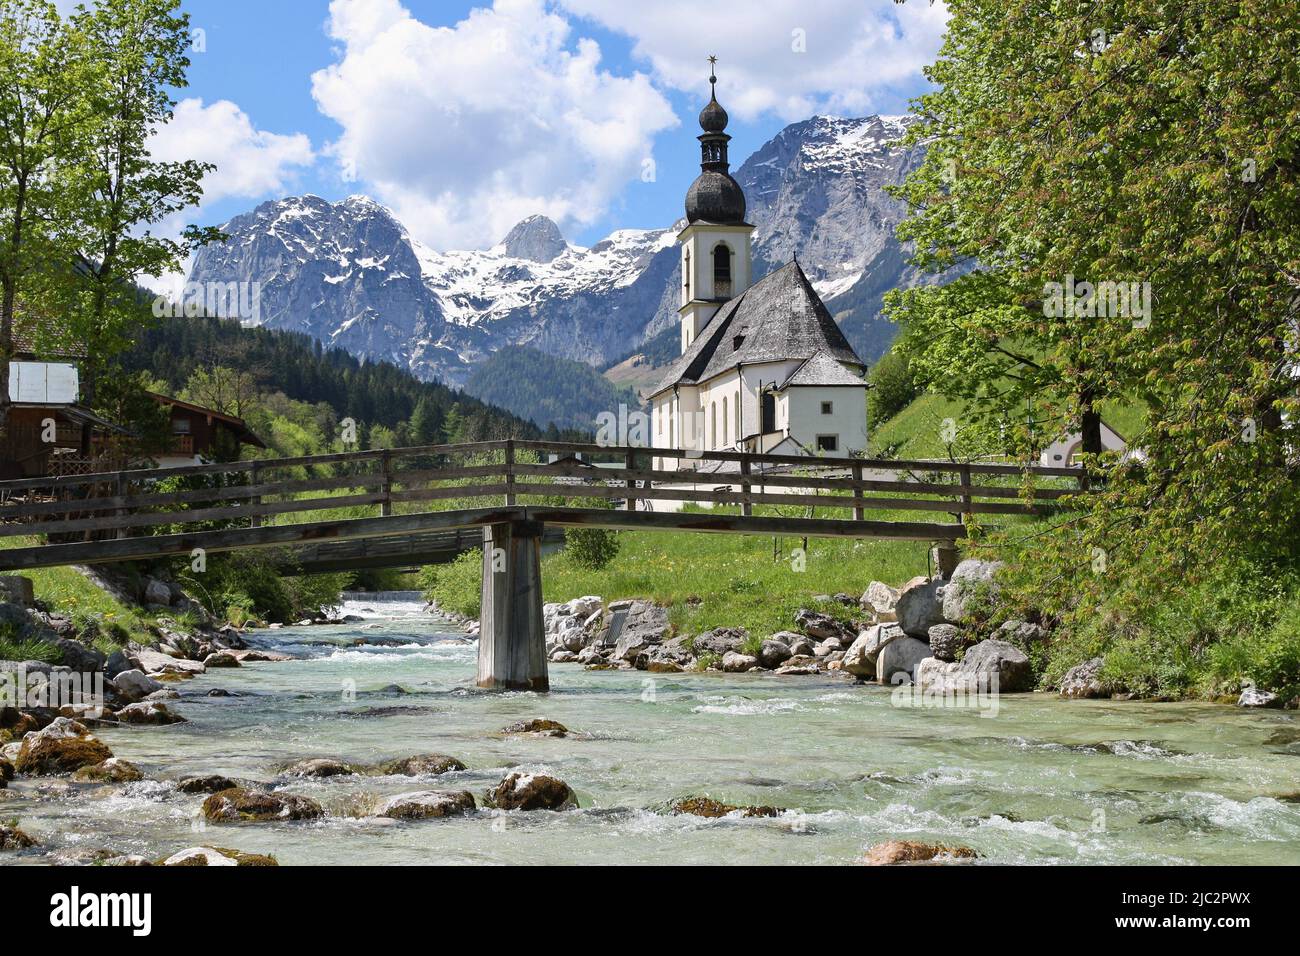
(828, 408)
(828, 442)
(725, 439)
(713, 425)
(721, 271)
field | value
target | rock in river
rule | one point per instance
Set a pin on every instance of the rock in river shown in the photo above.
(989, 666)
(112, 770)
(708, 807)
(426, 804)
(423, 764)
(909, 851)
(135, 685)
(540, 726)
(212, 783)
(64, 746)
(531, 791)
(240, 805)
(217, 856)
(734, 662)
(318, 767)
(12, 838)
(150, 713)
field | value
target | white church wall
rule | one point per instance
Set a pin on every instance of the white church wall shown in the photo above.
(847, 420)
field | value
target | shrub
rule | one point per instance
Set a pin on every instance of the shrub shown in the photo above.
(591, 548)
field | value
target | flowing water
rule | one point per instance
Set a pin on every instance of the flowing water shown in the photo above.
(1043, 781)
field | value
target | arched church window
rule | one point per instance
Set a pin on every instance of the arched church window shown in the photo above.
(686, 275)
(725, 438)
(713, 424)
(721, 271)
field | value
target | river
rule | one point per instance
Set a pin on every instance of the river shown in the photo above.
(1043, 781)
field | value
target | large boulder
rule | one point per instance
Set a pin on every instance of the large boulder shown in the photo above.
(422, 765)
(1252, 696)
(154, 662)
(734, 662)
(541, 726)
(241, 805)
(79, 657)
(16, 589)
(720, 640)
(135, 685)
(988, 667)
(148, 713)
(1023, 634)
(221, 659)
(427, 804)
(879, 597)
(157, 592)
(117, 664)
(899, 658)
(817, 625)
(920, 607)
(12, 838)
(112, 770)
(860, 659)
(946, 641)
(972, 585)
(64, 746)
(318, 767)
(774, 653)
(646, 624)
(531, 791)
(894, 852)
(1084, 680)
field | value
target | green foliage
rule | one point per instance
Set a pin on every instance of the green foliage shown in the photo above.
(249, 585)
(457, 585)
(16, 649)
(892, 388)
(547, 389)
(591, 548)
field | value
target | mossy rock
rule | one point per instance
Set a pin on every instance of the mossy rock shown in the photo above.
(422, 764)
(240, 805)
(53, 756)
(12, 838)
(893, 852)
(531, 791)
(217, 856)
(708, 807)
(551, 728)
(428, 804)
(210, 783)
(113, 770)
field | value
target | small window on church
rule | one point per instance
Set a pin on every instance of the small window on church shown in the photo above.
(828, 408)
(686, 275)
(721, 272)
(828, 442)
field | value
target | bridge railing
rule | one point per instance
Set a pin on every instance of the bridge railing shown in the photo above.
(512, 472)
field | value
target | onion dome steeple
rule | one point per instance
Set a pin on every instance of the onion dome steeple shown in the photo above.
(715, 196)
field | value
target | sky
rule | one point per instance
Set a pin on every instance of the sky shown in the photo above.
(466, 117)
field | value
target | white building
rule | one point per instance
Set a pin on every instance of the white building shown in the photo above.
(764, 366)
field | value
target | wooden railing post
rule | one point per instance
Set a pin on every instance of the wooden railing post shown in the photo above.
(965, 496)
(386, 485)
(255, 476)
(631, 482)
(510, 472)
(859, 512)
(746, 504)
(119, 488)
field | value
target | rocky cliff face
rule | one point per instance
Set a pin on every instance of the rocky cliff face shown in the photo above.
(349, 274)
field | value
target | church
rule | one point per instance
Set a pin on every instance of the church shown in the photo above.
(764, 367)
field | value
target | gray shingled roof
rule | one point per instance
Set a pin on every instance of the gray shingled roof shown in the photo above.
(779, 317)
(822, 369)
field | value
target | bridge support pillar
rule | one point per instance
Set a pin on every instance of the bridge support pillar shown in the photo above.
(512, 636)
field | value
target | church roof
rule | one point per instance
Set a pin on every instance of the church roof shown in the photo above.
(780, 317)
(822, 369)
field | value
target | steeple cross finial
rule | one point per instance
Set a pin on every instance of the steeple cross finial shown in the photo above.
(712, 76)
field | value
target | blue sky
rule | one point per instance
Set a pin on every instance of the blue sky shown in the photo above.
(465, 117)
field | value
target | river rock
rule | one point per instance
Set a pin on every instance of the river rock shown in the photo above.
(135, 685)
(972, 586)
(894, 852)
(12, 838)
(541, 726)
(989, 666)
(720, 640)
(427, 804)
(773, 654)
(561, 656)
(423, 764)
(899, 658)
(154, 662)
(1084, 680)
(946, 641)
(150, 713)
(734, 662)
(157, 592)
(79, 657)
(252, 656)
(112, 770)
(6, 771)
(920, 607)
(520, 791)
(827, 647)
(241, 805)
(216, 856)
(1252, 696)
(860, 659)
(1023, 634)
(116, 664)
(221, 659)
(17, 589)
(211, 783)
(646, 624)
(663, 667)
(879, 597)
(817, 625)
(64, 746)
(708, 807)
(318, 767)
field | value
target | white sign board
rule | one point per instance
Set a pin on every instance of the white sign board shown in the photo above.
(43, 383)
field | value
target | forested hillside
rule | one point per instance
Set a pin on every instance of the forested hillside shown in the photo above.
(546, 388)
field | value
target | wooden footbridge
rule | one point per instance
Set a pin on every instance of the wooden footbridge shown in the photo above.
(398, 507)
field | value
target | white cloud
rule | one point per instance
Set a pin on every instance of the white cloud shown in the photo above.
(250, 162)
(465, 130)
(852, 48)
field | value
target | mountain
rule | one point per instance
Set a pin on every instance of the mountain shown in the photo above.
(546, 388)
(350, 275)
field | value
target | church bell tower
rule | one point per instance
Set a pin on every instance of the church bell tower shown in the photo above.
(716, 243)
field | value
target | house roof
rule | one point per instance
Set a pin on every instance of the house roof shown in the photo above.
(822, 369)
(780, 317)
(40, 335)
(236, 424)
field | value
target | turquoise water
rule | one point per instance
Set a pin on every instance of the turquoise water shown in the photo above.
(1043, 781)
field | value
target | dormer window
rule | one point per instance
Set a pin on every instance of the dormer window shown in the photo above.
(737, 342)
